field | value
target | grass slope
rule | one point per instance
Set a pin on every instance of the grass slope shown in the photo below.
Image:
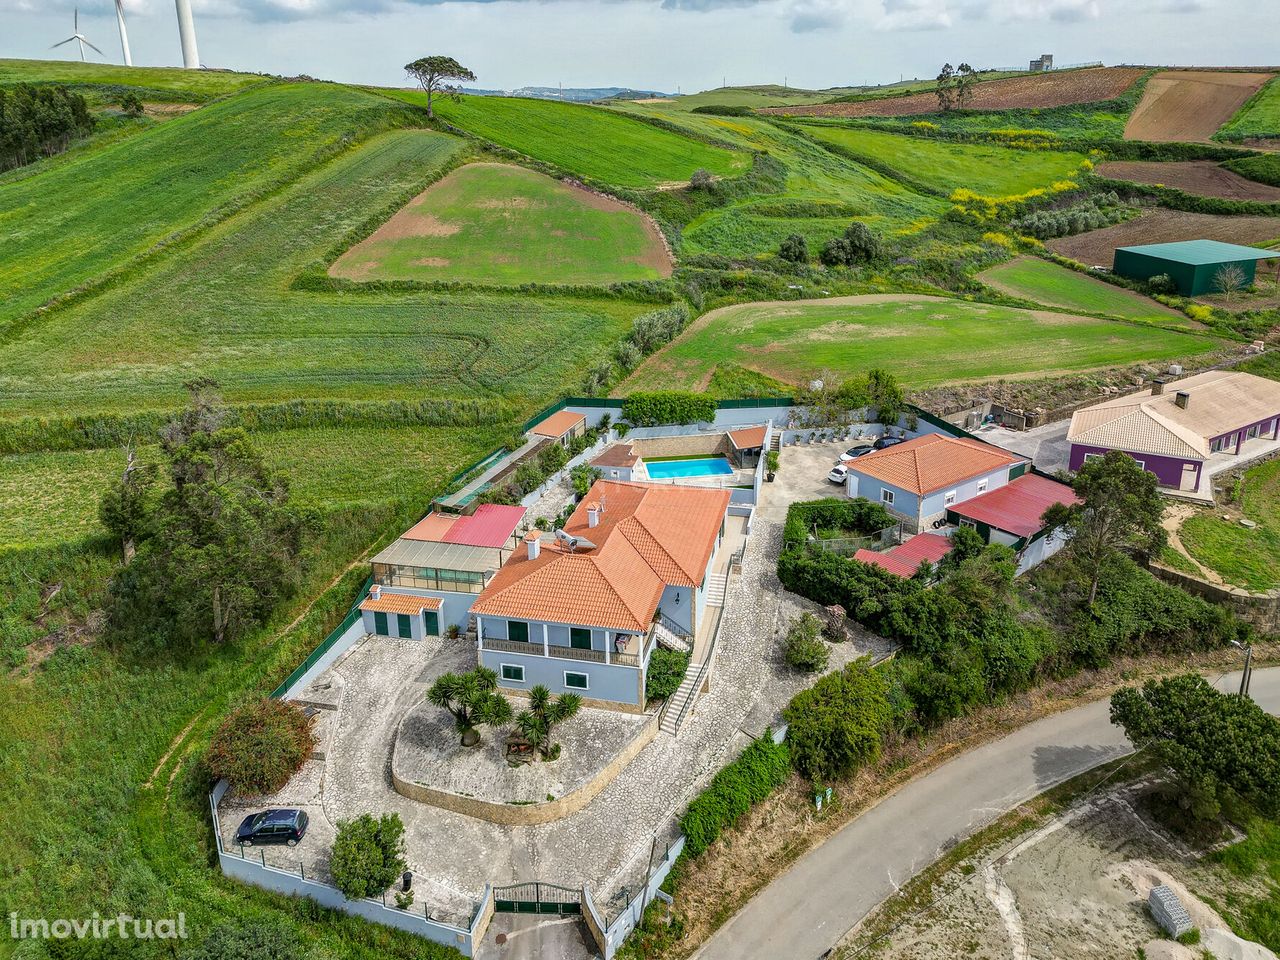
(946, 166)
(190, 84)
(1055, 286)
(493, 223)
(592, 142)
(80, 220)
(1259, 117)
(224, 307)
(924, 342)
(1248, 558)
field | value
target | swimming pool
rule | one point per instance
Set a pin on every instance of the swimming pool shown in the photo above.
(701, 467)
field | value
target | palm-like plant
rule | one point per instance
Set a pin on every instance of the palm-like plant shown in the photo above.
(536, 723)
(470, 697)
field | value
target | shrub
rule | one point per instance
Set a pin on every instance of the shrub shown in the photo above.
(261, 745)
(856, 245)
(130, 105)
(666, 670)
(803, 647)
(701, 179)
(857, 517)
(757, 772)
(248, 940)
(664, 407)
(724, 110)
(1162, 283)
(368, 855)
(583, 476)
(795, 249)
(838, 724)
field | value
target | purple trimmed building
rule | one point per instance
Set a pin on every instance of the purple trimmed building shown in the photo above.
(1183, 431)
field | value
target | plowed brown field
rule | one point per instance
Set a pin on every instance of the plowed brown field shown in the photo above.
(1189, 105)
(1201, 177)
(1098, 247)
(1035, 91)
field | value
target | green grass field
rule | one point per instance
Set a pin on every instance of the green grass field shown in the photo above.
(923, 343)
(946, 166)
(590, 141)
(492, 223)
(1248, 558)
(1259, 117)
(770, 95)
(196, 85)
(150, 188)
(1055, 286)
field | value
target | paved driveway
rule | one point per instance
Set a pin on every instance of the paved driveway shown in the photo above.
(1046, 446)
(815, 903)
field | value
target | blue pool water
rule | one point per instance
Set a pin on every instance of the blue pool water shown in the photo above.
(701, 467)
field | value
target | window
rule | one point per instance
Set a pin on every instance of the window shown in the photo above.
(1091, 456)
(404, 626)
(431, 623)
(579, 638)
(1142, 464)
(517, 631)
(380, 624)
(575, 681)
(982, 486)
(614, 474)
(965, 522)
(512, 672)
(886, 496)
(949, 498)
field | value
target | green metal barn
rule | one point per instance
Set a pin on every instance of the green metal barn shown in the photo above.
(1193, 264)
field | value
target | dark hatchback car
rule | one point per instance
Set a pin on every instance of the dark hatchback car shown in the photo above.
(888, 442)
(273, 826)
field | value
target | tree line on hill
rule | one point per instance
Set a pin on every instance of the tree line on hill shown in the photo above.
(39, 121)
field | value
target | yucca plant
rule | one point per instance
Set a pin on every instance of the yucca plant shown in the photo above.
(545, 711)
(470, 697)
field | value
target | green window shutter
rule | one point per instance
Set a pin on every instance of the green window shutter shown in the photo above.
(405, 626)
(380, 624)
(433, 623)
(579, 638)
(517, 631)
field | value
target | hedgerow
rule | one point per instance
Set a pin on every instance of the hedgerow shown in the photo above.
(757, 772)
(668, 406)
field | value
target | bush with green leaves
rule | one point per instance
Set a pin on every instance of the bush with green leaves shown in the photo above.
(803, 646)
(261, 745)
(856, 245)
(649, 409)
(368, 855)
(794, 249)
(666, 670)
(838, 724)
(583, 476)
(1092, 213)
(130, 105)
(248, 940)
(759, 770)
(855, 518)
(1162, 283)
(472, 700)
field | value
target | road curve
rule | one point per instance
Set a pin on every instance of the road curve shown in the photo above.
(814, 904)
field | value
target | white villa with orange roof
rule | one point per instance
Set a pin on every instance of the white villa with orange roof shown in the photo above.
(580, 611)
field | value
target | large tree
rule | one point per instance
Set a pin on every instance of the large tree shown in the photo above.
(434, 75)
(220, 546)
(1208, 739)
(945, 89)
(1121, 510)
(125, 505)
(964, 78)
(545, 711)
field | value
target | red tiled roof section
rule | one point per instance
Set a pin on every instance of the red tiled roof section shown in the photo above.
(1018, 506)
(748, 438)
(490, 526)
(558, 424)
(905, 559)
(400, 603)
(647, 537)
(933, 462)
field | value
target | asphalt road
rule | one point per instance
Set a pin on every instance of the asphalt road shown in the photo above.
(814, 904)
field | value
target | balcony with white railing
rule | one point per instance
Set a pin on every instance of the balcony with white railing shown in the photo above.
(632, 655)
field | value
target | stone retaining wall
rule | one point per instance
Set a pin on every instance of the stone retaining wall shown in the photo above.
(695, 445)
(1262, 610)
(525, 814)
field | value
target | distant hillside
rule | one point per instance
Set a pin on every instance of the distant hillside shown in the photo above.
(572, 94)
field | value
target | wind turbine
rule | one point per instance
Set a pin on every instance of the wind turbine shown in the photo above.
(78, 37)
(124, 36)
(187, 33)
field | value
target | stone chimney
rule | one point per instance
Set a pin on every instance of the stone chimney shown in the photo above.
(593, 514)
(375, 592)
(1157, 386)
(533, 540)
(1182, 399)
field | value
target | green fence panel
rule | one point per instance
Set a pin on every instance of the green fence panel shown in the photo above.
(327, 644)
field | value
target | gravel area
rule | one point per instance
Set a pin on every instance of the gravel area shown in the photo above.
(429, 752)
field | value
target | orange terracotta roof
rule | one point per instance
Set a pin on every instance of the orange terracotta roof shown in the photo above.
(933, 462)
(647, 537)
(558, 424)
(400, 603)
(748, 438)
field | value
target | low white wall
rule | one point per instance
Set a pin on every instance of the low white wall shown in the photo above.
(348, 640)
(631, 914)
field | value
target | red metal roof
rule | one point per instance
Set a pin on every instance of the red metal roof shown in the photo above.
(490, 526)
(1018, 506)
(905, 559)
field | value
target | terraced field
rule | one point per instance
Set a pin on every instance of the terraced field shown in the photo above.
(598, 144)
(924, 341)
(1259, 117)
(1055, 286)
(502, 224)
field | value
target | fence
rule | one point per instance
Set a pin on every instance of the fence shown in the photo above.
(617, 930)
(312, 665)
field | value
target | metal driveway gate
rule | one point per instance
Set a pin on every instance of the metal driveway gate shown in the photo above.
(535, 897)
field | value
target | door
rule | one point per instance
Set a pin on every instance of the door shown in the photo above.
(431, 621)
(1190, 477)
(380, 624)
(404, 626)
(517, 631)
(579, 638)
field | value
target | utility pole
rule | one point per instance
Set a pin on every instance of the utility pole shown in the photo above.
(1248, 666)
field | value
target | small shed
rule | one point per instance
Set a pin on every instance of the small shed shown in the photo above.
(561, 427)
(1192, 264)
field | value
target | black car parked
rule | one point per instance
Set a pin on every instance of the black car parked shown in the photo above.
(273, 826)
(888, 442)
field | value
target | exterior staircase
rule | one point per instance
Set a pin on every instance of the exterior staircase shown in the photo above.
(717, 586)
(668, 638)
(681, 703)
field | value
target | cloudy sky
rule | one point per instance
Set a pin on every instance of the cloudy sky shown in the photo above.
(655, 44)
